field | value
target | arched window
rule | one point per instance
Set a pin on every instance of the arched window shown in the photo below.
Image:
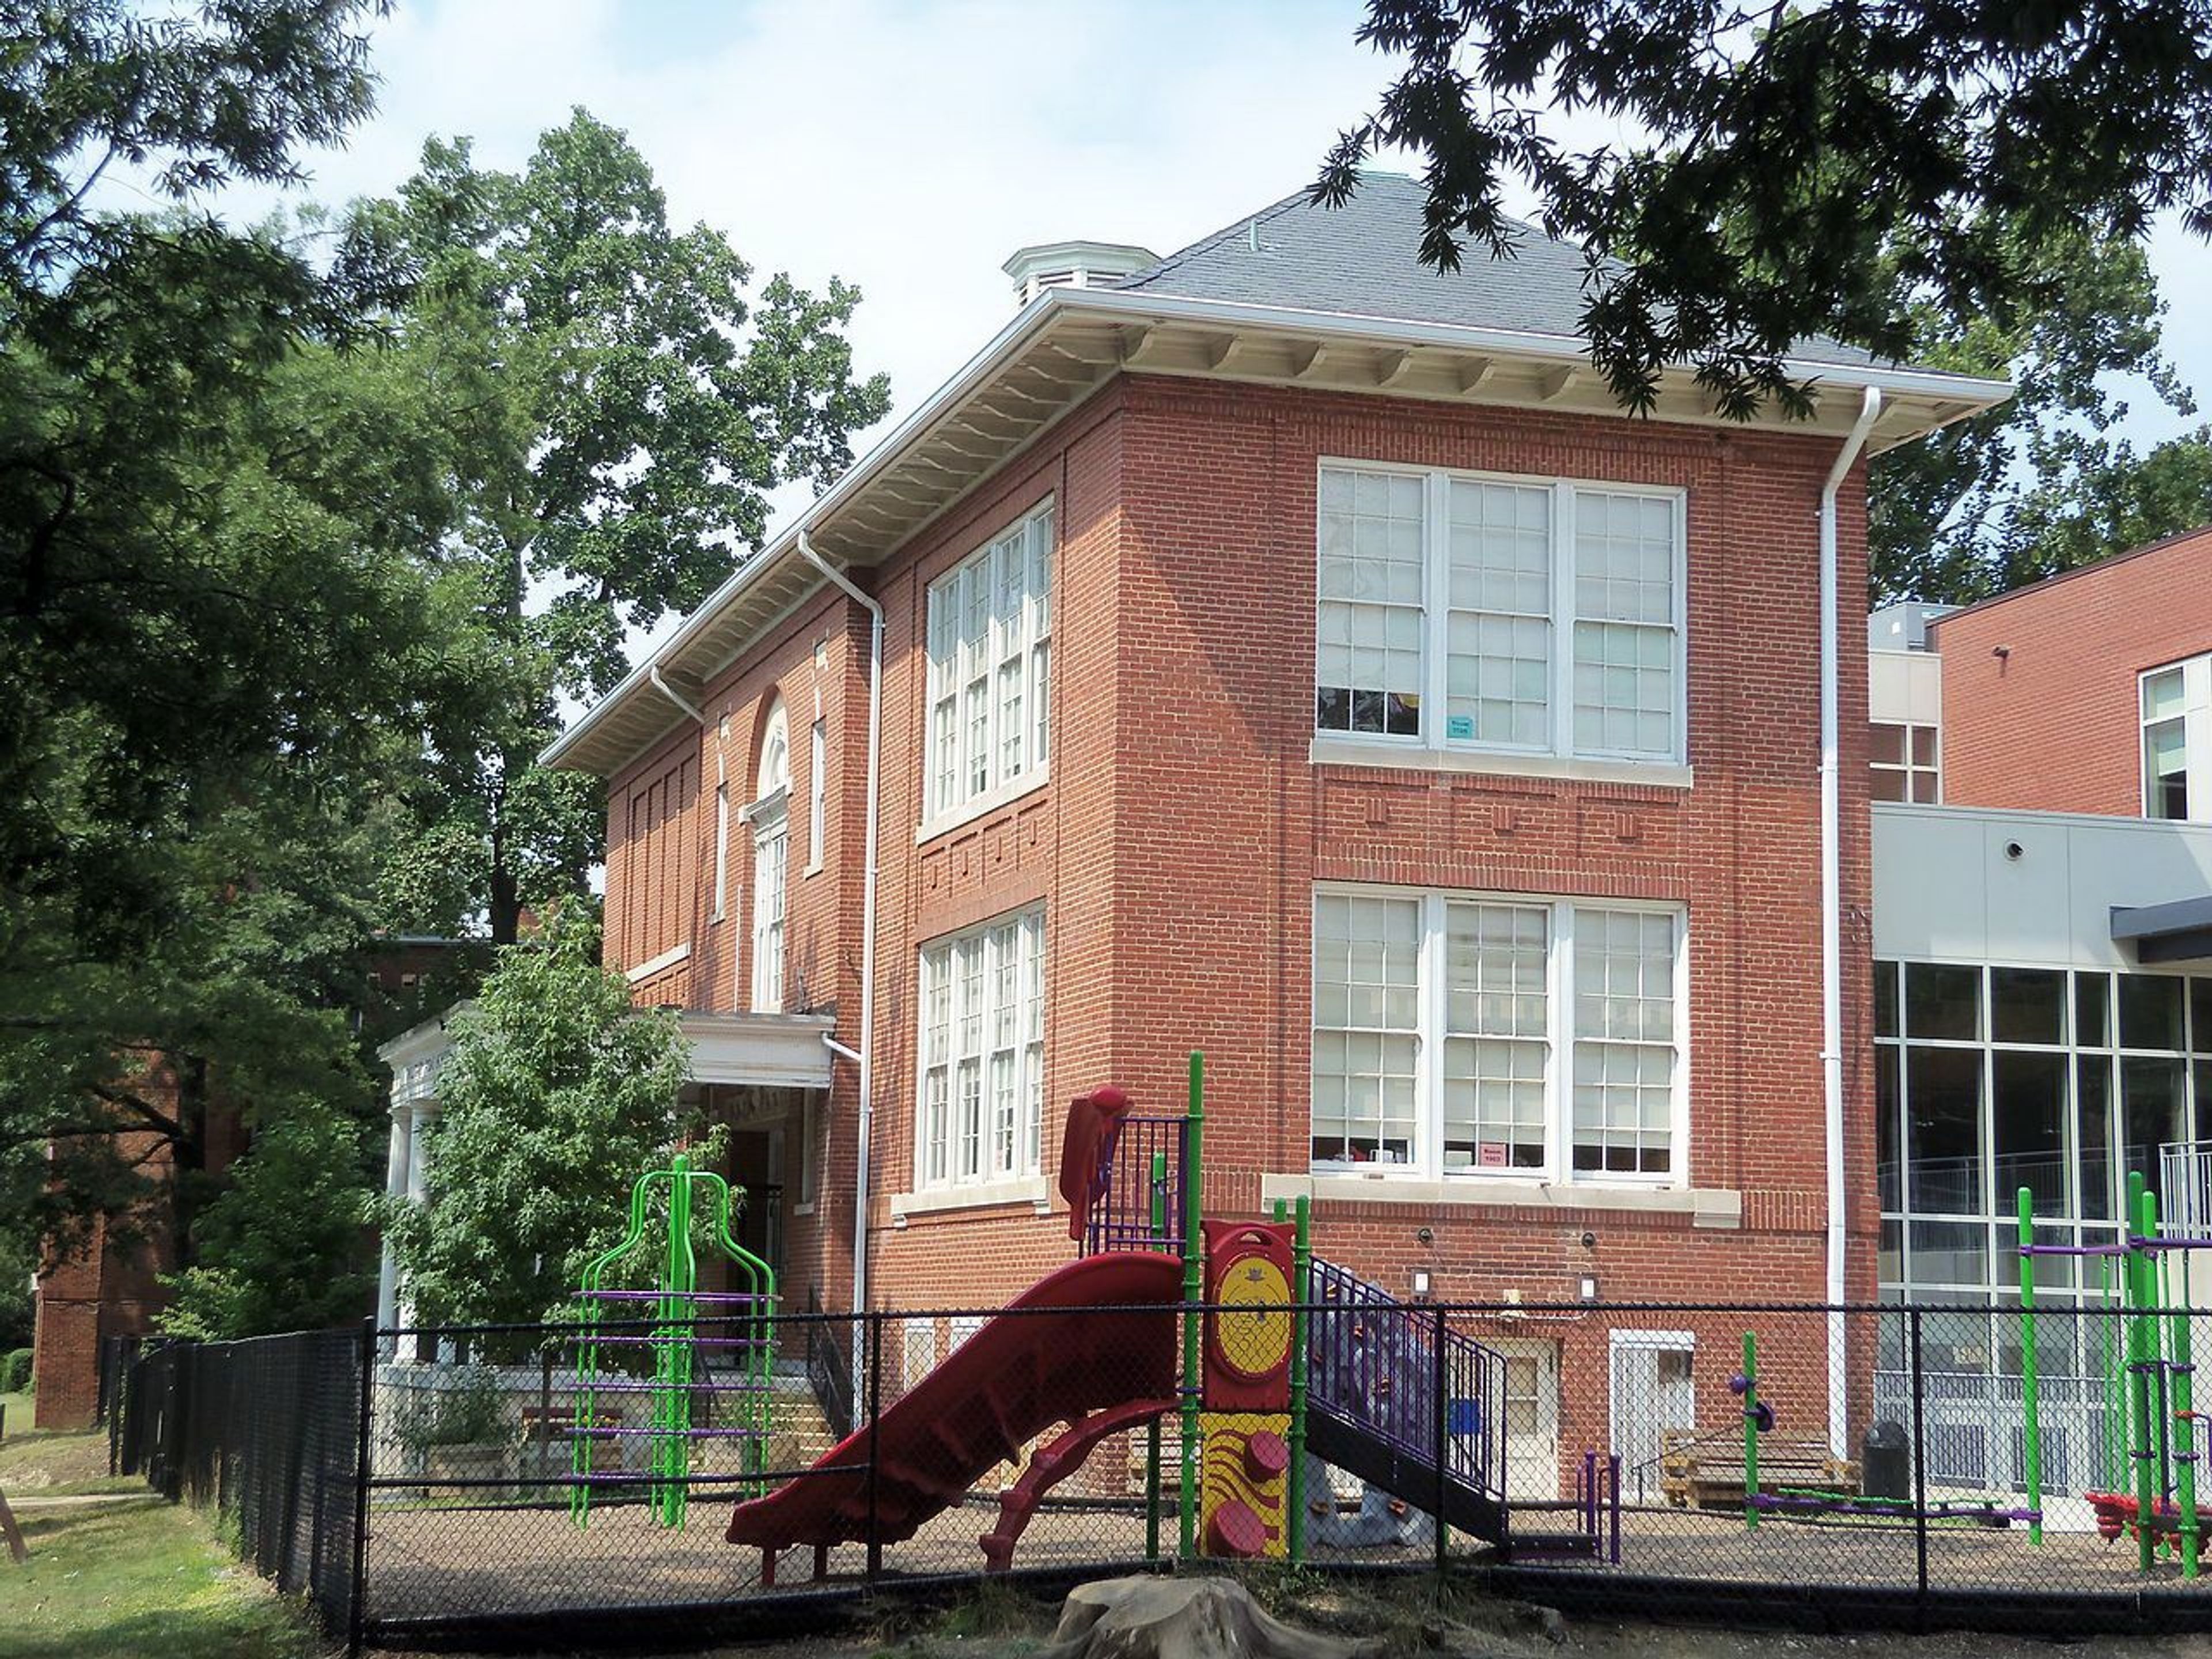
(771, 822)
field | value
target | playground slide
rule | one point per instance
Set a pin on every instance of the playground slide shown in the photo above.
(1022, 1373)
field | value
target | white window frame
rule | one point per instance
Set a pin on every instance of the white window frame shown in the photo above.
(2196, 717)
(1021, 646)
(721, 846)
(943, 1057)
(817, 791)
(1910, 770)
(1558, 1167)
(769, 818)
(1436, 608)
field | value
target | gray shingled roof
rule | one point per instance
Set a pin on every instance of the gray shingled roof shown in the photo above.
(1364, 259)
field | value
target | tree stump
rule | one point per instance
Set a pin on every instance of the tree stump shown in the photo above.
(1145, 1617)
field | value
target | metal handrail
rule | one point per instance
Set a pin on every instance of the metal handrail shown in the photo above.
(1372, 1361)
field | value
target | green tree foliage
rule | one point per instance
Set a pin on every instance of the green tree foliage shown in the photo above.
(203, 650)
(288, 1245)
(303, 528)
(2039, 484)
(557, 1096)
(617, 410)
(1791, 164)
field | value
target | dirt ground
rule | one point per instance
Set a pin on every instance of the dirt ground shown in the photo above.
(998, 1625)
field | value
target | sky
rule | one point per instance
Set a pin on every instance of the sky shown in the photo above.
(909, 146)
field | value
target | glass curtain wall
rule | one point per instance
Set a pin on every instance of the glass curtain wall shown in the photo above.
(1989, 1079)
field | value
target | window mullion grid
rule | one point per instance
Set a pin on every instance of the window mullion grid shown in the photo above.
(1989, 1127)
(1560, 1068)
(1678, 1093)
(1435, 605)
(1563, 619)
(1428, 1040)
(2196, 736)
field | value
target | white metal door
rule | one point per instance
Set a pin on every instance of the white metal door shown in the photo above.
(1532, 1418)
(1653, 1390)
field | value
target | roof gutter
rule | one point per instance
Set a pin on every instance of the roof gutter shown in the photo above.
(1831, 921)
(864, 1125)
(1136, 306)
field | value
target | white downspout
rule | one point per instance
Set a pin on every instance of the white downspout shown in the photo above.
(652, 673)
(1832, 925)
(868, 1051)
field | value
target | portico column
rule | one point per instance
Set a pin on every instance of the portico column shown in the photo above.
(398, 1161)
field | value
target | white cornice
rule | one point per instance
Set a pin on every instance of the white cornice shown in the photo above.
(1067, 342)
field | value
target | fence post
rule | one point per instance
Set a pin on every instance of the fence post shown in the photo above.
(873, 1335)
(1439, 1421)
(1919, 1457)
(357, 1592)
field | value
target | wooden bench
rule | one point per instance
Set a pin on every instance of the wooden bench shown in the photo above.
(1700, 1470)
(549, 1434)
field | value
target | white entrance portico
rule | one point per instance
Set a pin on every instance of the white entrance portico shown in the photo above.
(727, 1051)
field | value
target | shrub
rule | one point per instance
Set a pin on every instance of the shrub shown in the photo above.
(470, 1413)
(15, 1372)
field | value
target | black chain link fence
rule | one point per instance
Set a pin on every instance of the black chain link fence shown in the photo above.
(268, 1432)
(1836, 1466)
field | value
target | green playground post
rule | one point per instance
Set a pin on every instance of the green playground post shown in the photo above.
(2141, 1356)
(669, 1460)
(1157, 1218)
(1301, 1278)
(1193, 1293)
(1750, 1432)
(2031, 1429)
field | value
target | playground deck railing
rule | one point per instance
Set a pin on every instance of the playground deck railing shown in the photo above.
(1721, 1460)
(1143, 1185)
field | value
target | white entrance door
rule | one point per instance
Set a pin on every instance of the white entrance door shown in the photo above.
(1532, 1418)
(1653, 1389)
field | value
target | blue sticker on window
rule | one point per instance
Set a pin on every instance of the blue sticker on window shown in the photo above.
(1460, 725)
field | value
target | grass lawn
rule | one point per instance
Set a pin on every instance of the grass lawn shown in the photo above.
(127, 1579)
(40, 1462)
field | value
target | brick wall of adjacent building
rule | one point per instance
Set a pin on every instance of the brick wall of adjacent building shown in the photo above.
(108, 1281)
(2054, 723)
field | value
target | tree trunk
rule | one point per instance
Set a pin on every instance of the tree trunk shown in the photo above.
(187, 1155)
(1146, 1618)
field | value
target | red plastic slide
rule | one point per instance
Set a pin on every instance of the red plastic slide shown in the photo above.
(1024, 1372)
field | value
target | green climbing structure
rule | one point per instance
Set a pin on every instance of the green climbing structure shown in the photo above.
(706, 1377)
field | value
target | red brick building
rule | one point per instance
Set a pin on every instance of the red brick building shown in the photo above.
(2100, 674)
(1292, 652)
(105, 1287)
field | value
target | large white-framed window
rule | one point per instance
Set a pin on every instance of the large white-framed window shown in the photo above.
(982, 1099)
(2177, 740)
(1486, 1035)
(769, 816)
(1458, 611)
(1989, 1077)
(990, 671)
